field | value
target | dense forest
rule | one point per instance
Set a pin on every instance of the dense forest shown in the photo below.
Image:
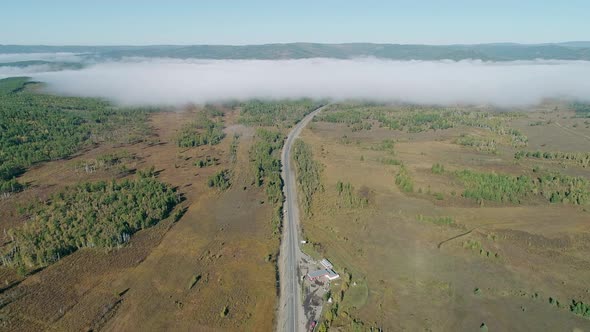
(265, 158)
(100, 214)
(38, 127)
(308, 174)
(284, 113)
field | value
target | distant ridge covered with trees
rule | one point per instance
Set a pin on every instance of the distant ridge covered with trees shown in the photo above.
(488, 52)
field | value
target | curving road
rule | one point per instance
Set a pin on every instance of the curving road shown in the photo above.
(291, 315)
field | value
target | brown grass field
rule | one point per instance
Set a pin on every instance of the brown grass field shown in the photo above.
(224, 238)
(497, 264)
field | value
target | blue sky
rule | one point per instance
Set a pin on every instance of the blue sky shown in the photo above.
(110, 22)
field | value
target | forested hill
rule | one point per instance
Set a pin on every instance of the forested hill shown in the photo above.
(490, 52)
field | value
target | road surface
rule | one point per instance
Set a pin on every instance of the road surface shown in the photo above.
(291, 315)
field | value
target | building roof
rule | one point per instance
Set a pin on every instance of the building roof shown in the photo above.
(326, 263)
(332, 274)
(318, 273)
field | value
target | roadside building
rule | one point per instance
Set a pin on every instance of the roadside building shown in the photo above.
(314, 275)
(327, 273)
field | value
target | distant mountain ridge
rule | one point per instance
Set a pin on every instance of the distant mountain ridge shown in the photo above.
(576, 50)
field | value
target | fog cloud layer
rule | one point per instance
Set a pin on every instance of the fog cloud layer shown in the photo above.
(168, 81)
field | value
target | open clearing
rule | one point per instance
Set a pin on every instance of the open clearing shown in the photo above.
(208, 271)
(433, 260)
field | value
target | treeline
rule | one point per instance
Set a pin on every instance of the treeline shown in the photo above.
(282, 113)
(100, 214)
(579, 158)
(495, 187)
(479, 143)
(265, 158)
(202, 131)
(420, 118)
(554, 187)
(582, 109)
(39, 127)
(355, 119)
(308, 174)
(349, 197)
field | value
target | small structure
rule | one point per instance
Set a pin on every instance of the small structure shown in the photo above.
(326, 263)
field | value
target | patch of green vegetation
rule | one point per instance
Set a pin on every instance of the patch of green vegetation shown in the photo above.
(265, 158)
(560, 188)
(420, 118)
(179, 213)
(100, 214)
(495, 187)
(202, 131)
(212, 111)
(357, 295)
(385, 145)
(220, 180)
(233, 149)
(404, 181)
(444, 221)
(437, 169)
(206, 162)
(308, 174)
(554, 187)
(350, 198)
(285, 113)
(13, 84)
(582, 109)
(439, 196)
(477, 142)
(38, 127)
(391, 161)
(472, 244)
(349, 116)
(580, 308)
(580, 158)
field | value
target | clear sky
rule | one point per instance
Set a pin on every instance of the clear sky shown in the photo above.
(136, 22)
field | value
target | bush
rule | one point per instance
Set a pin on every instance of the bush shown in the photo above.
(404, 181)
(438, 169)
(220, 180)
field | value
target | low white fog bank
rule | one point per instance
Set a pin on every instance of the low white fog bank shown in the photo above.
(168, 81)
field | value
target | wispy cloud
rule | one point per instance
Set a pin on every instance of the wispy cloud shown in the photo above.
(168, 81)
